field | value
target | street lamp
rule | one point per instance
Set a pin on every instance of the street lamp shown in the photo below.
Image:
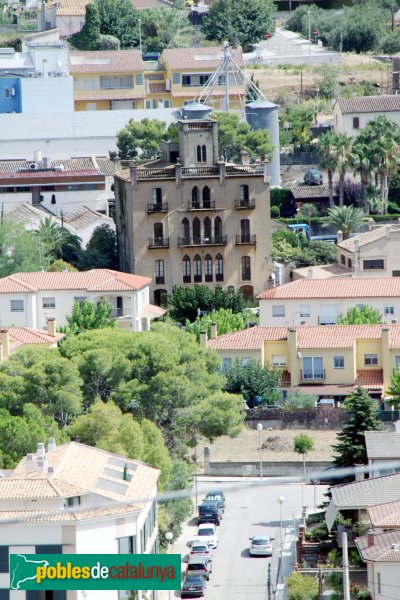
(317, 106)
(309, 27)
(259, 429)
(140, 35)
(281, 500)
(169, 536)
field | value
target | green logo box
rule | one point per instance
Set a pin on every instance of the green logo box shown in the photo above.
(95, 572)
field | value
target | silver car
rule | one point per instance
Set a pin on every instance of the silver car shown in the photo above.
(261, 545)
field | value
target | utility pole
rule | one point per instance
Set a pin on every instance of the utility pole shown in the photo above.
(320, 584)
(269, 584)
(346, 581)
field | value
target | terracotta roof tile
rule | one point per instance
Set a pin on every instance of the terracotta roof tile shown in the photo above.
(248, 339)
(156, 310)
(369, 104)
(100, 280)
(367, 237)
(85, 217)
(370, 379)
(302, 192)
(49, 174)
(105, 61)
(13, 488)
(385, 515)
(200, 58)
(366, 493)
(322, 271)
(27, 335)
(361, 287)
(108, 95)
(385, 547)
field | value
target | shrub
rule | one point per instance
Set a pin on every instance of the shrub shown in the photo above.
(275, 212)
(317, 533)
(283, 198)
(302, 587)
(109, 42)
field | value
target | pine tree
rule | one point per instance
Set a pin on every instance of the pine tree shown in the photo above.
(351, 448)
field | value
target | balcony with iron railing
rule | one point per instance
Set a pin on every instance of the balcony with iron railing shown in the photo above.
(208, 205)
(159, 207)
(312, 375)
(178, 172)
(219, 240)
(246, 239)
(245, 204)
(117, 312)
(158, 242)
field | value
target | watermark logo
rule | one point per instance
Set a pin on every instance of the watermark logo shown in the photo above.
(95, 572)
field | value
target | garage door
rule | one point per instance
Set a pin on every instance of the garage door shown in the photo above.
(328, 314)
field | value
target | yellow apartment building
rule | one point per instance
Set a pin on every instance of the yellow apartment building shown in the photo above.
(329, 361)
(121, 80)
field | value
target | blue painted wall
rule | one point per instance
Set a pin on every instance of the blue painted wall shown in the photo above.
(10, 94)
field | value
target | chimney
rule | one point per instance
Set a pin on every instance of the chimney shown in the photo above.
(293, 356)
(310, 273)
(213, 331)
(394, 547)
(245, 157)
(30, 462)
(370, 535)
(51, 326)
(65, 269)
(370, 224)
(388, 232)
(356, 245)
(41, 452)
(397, 426)
(203, 339)
(41, 269)
(4, 344)
(339, 236)
(50, 471)
(222, 170)
(41, 460)
(133, 170)
(359, 473)
(178, 171)
(51, 444)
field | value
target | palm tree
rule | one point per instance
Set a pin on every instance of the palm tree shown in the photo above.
(345, 219)
(341, 149)
(361, 160)
(56, 240)
(328, 160)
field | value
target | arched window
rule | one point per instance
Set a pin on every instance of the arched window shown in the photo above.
(196, 231)
(245, 231)
(185, 231)
(158, 234)
(207, 231)
(197, 269)
(198, 153)
(157, 198)
(195, 197)
(186, 270)
(208, 273)
(219, 268)
(203, 153)
(206, 197)
(246, 268)
(159, 270)
(244, 195)
(218, 230)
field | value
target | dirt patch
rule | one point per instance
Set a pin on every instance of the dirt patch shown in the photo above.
(276, 446)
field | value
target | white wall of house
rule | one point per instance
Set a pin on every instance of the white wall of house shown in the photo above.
(66, 201)
(343, 123)
(321, 311)
(385, 249)
(47, 94)
(383, 579)
(378, 467)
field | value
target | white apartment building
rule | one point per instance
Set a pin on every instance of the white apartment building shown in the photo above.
(34, 299)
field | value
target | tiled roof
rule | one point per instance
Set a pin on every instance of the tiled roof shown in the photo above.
(105, 61)
(322, 271)
(386, 515)
(383, 547)
(18, 488)
(85, 217)
(248, 339)
(361, 287)
(383, 444)
(369, 104)
(72, 7)
(95, 471)
(62, 516)
(69, 164)
(96, 280)
(200, 58)
(27, 335)
(233, 90)
(106, 165)
(366, 238)
(108, 95)
(370, 379)
(302, 192)
(26, 175)
(365, 493)
(153, 309)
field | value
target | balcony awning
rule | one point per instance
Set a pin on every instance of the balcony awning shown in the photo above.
(151, 311)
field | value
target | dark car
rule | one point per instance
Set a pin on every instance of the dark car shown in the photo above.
(331, 476)
(216, 496)
(151, 56)
(193, 585)
(313, 177)
(210, 512)
(200, 565)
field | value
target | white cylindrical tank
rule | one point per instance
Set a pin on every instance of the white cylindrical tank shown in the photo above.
(262, 114)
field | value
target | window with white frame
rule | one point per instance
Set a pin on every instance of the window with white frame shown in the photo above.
(245, 361)
(338, 362)
(278, 360)
(304, 310)
(278, 310)
(370, 359)
(17, 305)
(48, 302)
(80, 299)
(313, 368)
(389, 310)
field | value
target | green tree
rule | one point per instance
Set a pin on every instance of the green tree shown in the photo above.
(141, 138)
(184, 303)
(254, 381)
(174, 512)
(345, 219)
(299, 120)
(327, 156)
(365, 315)
(18, 248)
(297, 400)
(394, 389)
(101, 251)
(225, 320)
(303, 444)
(119, 19)
(235, 135)
(55, 242)
(220, 414)
(350, 448)
(302, 587)
(89, 37)
(241, 22)
(164, 28)
(87, 315)
(60, 265)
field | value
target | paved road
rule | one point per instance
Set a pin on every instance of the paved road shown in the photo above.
(251, 508)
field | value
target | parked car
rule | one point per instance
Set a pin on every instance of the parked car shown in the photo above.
(201, 565)
(216, 496)
(193, 585)
(207, 532)
(313, 177)
(261, 545)
(210, 512)
(200, 549)
(331, 476)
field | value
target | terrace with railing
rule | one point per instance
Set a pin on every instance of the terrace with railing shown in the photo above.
(141, 172)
